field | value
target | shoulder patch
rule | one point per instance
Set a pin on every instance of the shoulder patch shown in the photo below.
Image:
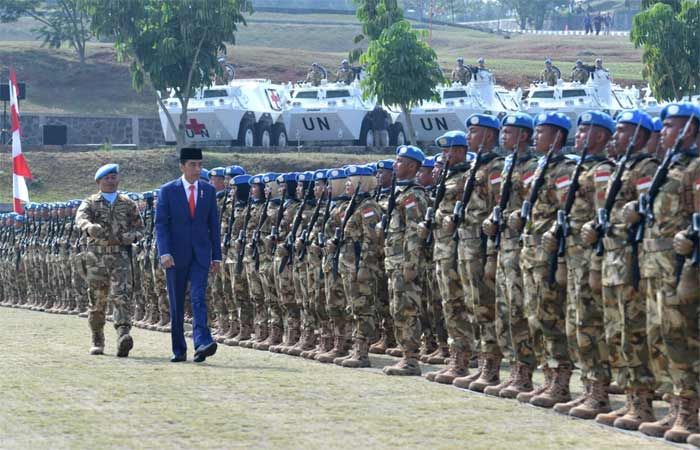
(495, 178)
(367, 213)
(644, 183)
(527, 177)
(409, 201)
(602, 175)
(562, 182)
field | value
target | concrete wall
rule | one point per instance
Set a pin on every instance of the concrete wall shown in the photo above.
(138, 131)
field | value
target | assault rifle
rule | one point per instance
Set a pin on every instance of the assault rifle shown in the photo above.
(310, 226)
(275, 230)
(256, 234)
(386, 217)
(231, 219)
(439, 196)
(321, 238)
(526, 210)
(562, 228)
(461, 205)
(242, 237)
(292, 235)
(339, 237)
(506, 189)
(694, 236)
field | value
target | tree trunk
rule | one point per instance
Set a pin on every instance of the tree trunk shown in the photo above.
(183, 123)
(409, 123)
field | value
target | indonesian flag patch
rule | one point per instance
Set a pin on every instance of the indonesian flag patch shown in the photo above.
(527, 178)
(410, 202)
(697, 184)
(367, 213)
(495, 178)
(643, 183)
(602, 177)
(562, 182)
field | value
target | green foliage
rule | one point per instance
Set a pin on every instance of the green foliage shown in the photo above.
(375, 16)
(173, 44)
(675, 4)
(670, 39)
(401, 69)
(532, 11)
(59, 21)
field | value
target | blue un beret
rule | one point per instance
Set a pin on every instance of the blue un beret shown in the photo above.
(520, 120)
(452, 139)
(217, 172)
(637, 117)
(337, 174)
(270, 177)
(241, 179)
(683, 109)
(257, 179)
(287, 177)
(598, 119)
(658, 124)
(106, 170)
(204, 175)
(429, 162)
(554, 119)
(411, 152)
(19, 218)
(321, 174)
(483, 120)
(147, 195)
(359, 171)
(233, 171)
(305, 177)
(386, 164)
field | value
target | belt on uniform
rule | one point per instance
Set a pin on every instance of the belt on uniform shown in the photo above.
(470, 232)
(657, 245)
(107, 249)
(614, 243)
(532, 240)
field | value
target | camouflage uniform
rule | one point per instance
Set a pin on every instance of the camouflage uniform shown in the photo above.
(461, 75)
(107, 258)
(315, 76)
(549, 76)
(384, 320)
(253, 278)
(267, 279)
(579, 75)
(240, 303)
(344, 76)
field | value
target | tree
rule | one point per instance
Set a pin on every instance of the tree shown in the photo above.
(174, 44)
(375, 16)
(401, 70)
(532, 11)
(670, 38)
(59, 21)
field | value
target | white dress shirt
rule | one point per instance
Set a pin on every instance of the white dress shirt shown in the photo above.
(186, 184)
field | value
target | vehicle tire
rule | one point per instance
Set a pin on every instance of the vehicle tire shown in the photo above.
(365, 133)
(263, 135)
(279, 135)
(397, 136)
(246, 134)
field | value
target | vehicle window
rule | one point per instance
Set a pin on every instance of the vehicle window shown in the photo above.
(543, 94)
(213, 93)
(453, 94)
(568, 93)
(307, 94)
(337, 94)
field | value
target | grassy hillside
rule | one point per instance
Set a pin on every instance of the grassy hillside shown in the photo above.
(61, 176)
(281, 47)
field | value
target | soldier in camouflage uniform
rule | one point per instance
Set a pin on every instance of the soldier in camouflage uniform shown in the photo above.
(461, 74)
(315, 75)
(403, 246)
(511, 318)
(359, 261)
(584, 289)
(579, 74)
(217, 280)
(345, 73)
(624, 311)
(550, 74)
(145, 263)
(112, 222)
(678, 326)
(455, 308)
(545, 299)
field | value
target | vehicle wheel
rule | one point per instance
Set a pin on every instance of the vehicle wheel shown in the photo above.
(397, 136)
(263, 136)
(366, 137)
(279, 135)
(246, 134)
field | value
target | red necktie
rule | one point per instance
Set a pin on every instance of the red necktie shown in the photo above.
(191, 201)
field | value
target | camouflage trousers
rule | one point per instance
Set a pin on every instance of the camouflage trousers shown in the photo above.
(361, 301)
(660, 288)
(148, 293)
(405, 300)
(109, 281)
(257, 294)
(272, 302)
(286, 294)
(512, 325)
(336, 303)
(383, 313)
(317, 296)
(432, 318)
(593, 354)
(160, 288)
(303, 292)
(215, 286)
(241, 305)
(480, 292)
(79, 280)
(454, 306)
(545, 305)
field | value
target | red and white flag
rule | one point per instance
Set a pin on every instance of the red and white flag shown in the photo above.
(20, 169)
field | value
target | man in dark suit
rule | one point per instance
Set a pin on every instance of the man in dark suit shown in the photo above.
(187, 233)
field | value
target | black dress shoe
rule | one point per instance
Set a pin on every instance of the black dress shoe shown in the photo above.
(204, 351)
(178, 358)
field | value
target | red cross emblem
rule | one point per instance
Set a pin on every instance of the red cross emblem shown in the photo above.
(195, 126)
(275, 100)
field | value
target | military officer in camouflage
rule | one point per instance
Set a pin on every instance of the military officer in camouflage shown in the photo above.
(461, 74)
(345, 73)
(112, 223)
(315, 75)
(579, 74)
(550, 74)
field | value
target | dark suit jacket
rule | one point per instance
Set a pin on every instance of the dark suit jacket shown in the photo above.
(188, 239)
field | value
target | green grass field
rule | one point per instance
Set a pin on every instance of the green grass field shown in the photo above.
(281, 47)
(57, 396)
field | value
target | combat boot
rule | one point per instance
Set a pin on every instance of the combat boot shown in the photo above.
(525, 397)
(155, 319)
(98, 343)
(124, 342)
(640, 411)
(428, 346)
(490, 373)
(234, 327)
(359, 356)
(558, 391)
(339, 349)
(439, 356)
(686, 421)
(610, 418)
(457, 367)
(293, 336)
(339, 360)
(564, 408)
(243, 335)
(694, 439)
(495, 390)
(306, 343)
(274, 338)
(661, 426)
(596, 402)
(394, 351)
(385, 341)
(615, 389)
(521, 384)
(325, 344)
(465, 381)
(139, 313)
(261, 332)
(164, 323)
(407, 366)
(221, 330)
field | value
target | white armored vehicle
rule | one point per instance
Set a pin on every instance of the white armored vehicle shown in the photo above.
(573, 98)
(335, 112)
(458, 102)
(246, 112)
